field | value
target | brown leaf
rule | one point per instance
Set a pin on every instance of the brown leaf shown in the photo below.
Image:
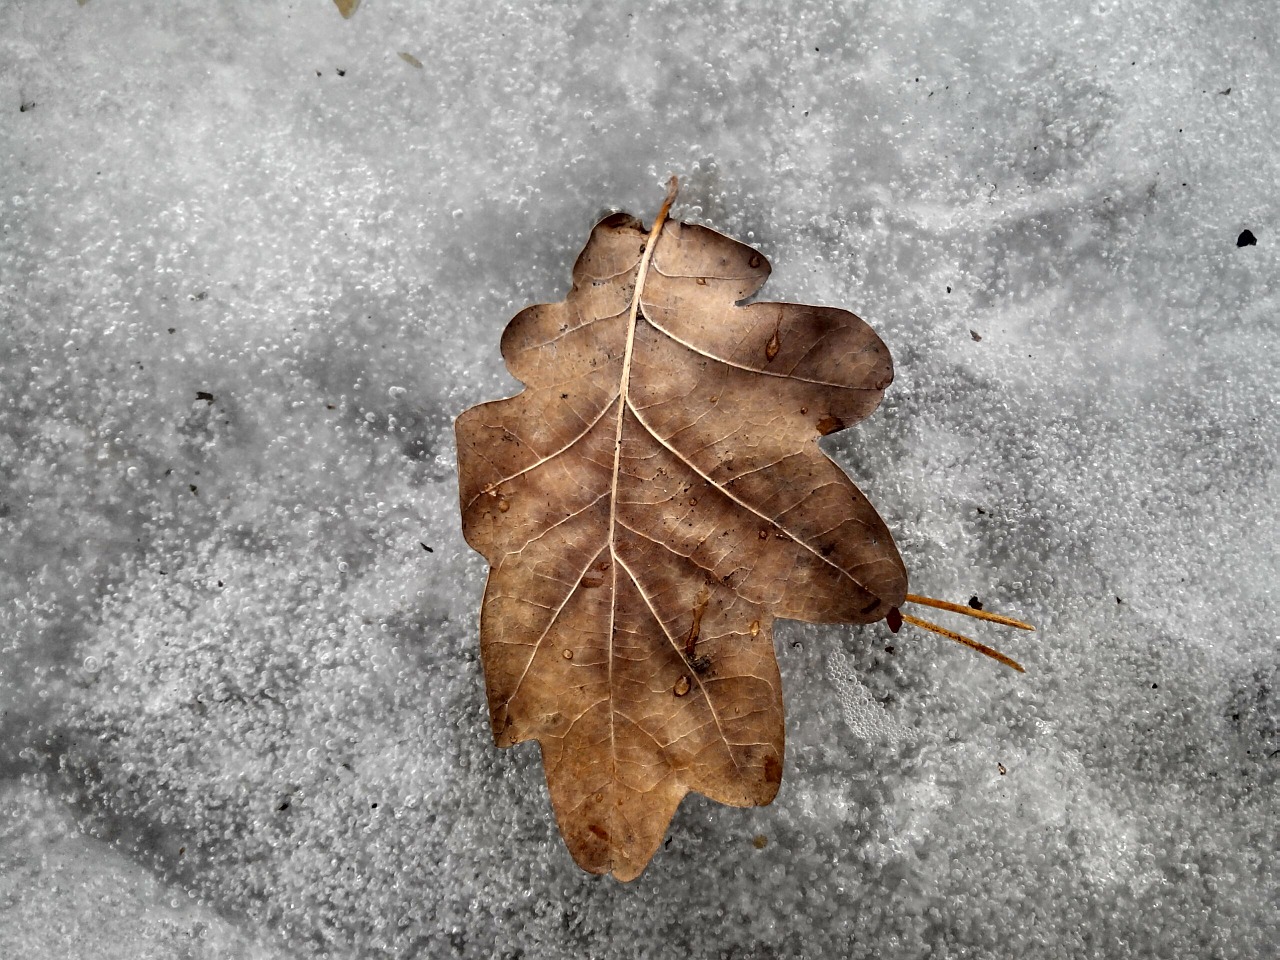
(346, 7)
(648, 505)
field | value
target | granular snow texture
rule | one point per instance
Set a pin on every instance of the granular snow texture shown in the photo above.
(254, 259)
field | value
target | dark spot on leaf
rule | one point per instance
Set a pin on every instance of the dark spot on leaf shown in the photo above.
(894, 619)
(773, 346)
(830, 424)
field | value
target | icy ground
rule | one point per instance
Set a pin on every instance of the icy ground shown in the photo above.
(253, 261)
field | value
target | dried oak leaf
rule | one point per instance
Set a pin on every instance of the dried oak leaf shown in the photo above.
(648, 505)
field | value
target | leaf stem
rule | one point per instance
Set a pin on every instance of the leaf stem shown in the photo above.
(982, 648)
(673, 187)
(967, 611)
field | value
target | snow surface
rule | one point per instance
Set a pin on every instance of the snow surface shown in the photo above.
(253, 262)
